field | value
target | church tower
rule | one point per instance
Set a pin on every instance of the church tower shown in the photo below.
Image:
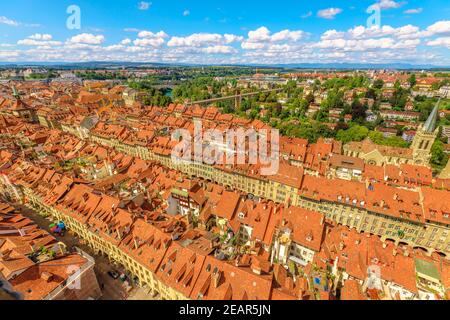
(425, 137)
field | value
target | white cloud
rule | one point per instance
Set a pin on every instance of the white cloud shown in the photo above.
(131, 30)
(230, 38)
(439, 27)
(367, 44)
(286, 35)
(149, 42)
(361, 32)
(262, 38)
(9, 54)
(38, 36)
(413, 11)
(332, 34)
(149, 34)
(39, 39)
(203, 39)
(408, 43)
(114, 47)
(263, 34)
(408, 31)
(31, 42)
(9, 22)
(329, 13)
(150, 39)
(87, 38)
(306, 15)
(252, 45)
(260, 34)
(387, 4)
(440, 42)
(144, 5)
(219, 50)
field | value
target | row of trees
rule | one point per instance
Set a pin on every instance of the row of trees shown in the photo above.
(200, 88)
(154, 96)
(439, 158)
(359, 133)
(92, 75)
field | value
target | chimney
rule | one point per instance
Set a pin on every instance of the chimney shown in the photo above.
(256, 270)
(33, 246)
(5, 255)
(216, 277)
(46, 276)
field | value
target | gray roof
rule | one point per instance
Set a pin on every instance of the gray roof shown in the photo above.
(427, 268)
(89, 122)
(431, 123)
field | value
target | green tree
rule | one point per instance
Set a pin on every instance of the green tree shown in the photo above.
(439, 158)
(355, 133)
(358, 111)
(378, 138)
(378, 84)
(399, 98)
(412, 80)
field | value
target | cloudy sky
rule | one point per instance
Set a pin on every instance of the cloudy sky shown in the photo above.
(231, 31)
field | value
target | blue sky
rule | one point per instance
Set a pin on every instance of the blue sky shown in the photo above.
(232, 31)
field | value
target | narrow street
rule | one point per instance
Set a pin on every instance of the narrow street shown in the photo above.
(112, 289)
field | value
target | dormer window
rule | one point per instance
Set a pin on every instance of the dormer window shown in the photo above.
(241, 215)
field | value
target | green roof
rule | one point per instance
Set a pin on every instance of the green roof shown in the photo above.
(427, 268)
(15, 93)
(180, 192)
(431, 123)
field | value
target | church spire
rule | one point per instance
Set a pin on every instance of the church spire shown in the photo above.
(16, 93)
(431, 123)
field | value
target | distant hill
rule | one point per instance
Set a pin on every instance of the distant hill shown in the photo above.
(306, 66)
